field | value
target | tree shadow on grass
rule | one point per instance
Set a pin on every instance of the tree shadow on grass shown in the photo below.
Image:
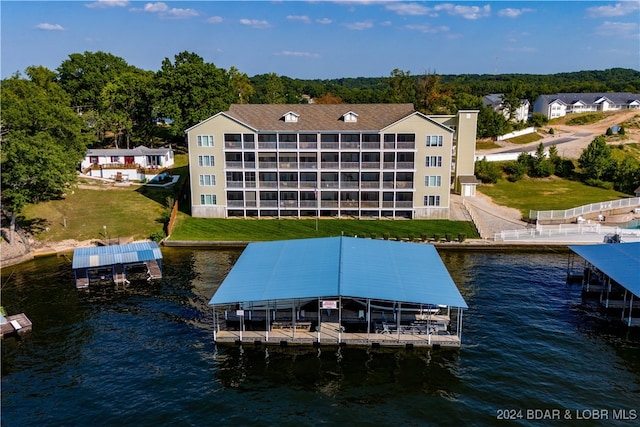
(33, 226)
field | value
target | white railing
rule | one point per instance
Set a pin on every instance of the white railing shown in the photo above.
(566, 231)
(631, 202)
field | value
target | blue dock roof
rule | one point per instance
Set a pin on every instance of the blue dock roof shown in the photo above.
(619, 261)
(339, 266)
(131, 253)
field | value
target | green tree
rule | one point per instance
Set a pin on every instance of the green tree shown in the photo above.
(491, 124)
(627, 175)
(269, 89)
(402, 87)
(190, 90)
(43, 140)
(432, 96)
(487, 172)
(596, 161)
(512, 98)
(241, 85)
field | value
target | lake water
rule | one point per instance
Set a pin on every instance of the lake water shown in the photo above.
(144, 356)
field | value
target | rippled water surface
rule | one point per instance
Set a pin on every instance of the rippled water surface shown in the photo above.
(144, 356)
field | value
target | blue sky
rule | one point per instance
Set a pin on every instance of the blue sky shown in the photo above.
(330, 39)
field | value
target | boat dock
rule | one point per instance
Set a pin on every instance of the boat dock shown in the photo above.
(339, 292)
(609, 274)
(16, 324)
(117, 264)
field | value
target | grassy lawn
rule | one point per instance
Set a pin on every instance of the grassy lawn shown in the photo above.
(525, 139)
(188, 228)
(133, 211)
(546, 194)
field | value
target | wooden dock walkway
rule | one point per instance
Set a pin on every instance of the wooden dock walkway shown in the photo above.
(332, 334)
(16, 324)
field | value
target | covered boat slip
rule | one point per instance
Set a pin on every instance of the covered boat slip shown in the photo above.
(612, 271)
(339, 290)
(117, 264)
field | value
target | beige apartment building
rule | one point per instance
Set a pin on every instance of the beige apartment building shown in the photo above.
(338, 160)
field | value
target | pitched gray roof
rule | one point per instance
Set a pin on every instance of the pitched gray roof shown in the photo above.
(140, 150)
(319, 117)
(590, 98)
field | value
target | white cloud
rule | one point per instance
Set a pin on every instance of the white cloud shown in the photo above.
(409, 9)
(513, 13)
(362, 25)
(301, 18)
(156, 7)
(165, 11)
(324, 21)
(426, 28)
(214, 20)
(618, 29)
(301, 54)
(619, 9)
(102, 4)
(50, 27)
(467, 12)
(416, 9)
(255, 23)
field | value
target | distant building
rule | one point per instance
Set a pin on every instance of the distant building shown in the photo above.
(128, 164)
(333, 160)
(494, 100)
(561, 104)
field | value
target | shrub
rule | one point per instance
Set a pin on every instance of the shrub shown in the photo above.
(462, 237)
(157, 236)
(621, 131)
(436, 237)
(447, 237)
(609, 132)
(551, 131)
(599, 183)
(487, 172)
(515, 170)
(424, 237)
(374, 236)
(385, 236)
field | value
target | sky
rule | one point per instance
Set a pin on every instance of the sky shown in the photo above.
(319, 39)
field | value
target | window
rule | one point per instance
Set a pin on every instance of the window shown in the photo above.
(406, 137)
(432, 200)
(206, 161)
(207, 199)
(433, 161)
(434, 140)
(205, 140)
(115, 159)
(232, 137)
(93, 160)
(207, 180)
(433, 181)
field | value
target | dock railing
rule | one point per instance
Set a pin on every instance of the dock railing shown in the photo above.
(565, 231)
(632, 202)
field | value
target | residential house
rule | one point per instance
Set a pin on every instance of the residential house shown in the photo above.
(494, 100)
(561, 104)
(338, 160)
(134, 164)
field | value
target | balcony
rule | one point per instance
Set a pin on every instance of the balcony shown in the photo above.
(235, 203)
(330, 184)
(370, 165)
(404, 184)
(404, 165)
(371, 145)
(329, 145)
(348, 204)
(268, 165)
(234, 165)
(349, 184)
(249, 145)
(267, 145)
(268, 184)
(369, 184)
(389, 165)
(234, 184)
(288, 145)
(329, 165)
(308, 165)
(309, 203)
(288, 165)
(369, 204)
(329, 203)
(406, 145)
(268, 203)
(308, 145)
(289, 184)
(308, 184)
(349, 165)
(404, 204)
(250, 165)
(233, 144)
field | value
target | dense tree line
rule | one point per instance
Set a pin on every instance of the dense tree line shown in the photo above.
(96, 99)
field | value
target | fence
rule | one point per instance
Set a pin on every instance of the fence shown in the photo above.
(629, 203)
(593, 231)
(516, 133)
(176, 203)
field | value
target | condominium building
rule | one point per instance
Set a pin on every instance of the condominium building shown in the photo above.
(330, 160)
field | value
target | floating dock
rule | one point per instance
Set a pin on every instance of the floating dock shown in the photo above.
(611, 274)
(339, 291)
(16, 324)
(117, 264)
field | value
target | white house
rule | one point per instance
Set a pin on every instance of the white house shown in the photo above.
(561, 104)
(521, 114)
(134, 164)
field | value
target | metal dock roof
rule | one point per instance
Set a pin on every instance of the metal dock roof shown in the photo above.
(620, 261)
(339, 266)
(99, 256)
